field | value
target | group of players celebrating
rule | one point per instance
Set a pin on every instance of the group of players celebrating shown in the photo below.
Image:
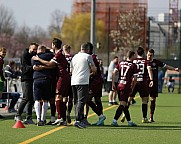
(52, 82)
(137, 75)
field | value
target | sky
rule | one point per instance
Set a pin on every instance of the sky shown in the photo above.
(38, 12)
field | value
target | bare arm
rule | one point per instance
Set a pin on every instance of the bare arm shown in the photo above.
(41, 67)
(93, 69)
(113, 79)
(150, 73)
(134, 82)
(171, 68)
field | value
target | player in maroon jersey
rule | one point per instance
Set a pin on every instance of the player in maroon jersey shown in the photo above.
(68, 56)
(2, 79)
(153, 91)
(127, 79)
(142, 86)
(63, 82)
(95, 90)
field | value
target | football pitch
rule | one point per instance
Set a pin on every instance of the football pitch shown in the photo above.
(165, 130)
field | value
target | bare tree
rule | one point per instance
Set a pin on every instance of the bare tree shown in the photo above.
(7, 21)
(22, 35)
(38, 34)
(57, 18)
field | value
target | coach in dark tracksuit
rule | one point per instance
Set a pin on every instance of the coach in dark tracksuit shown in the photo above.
(27, 84)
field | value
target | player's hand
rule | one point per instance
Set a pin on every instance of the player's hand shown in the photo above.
(35, 58)
(35, 67)
(38, 68)
(151, 84)
(113, 87)
(177, 69)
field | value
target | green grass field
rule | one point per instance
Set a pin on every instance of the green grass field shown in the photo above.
(166, 129)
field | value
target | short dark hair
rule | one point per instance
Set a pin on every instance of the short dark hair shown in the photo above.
(91, 47)
(57, 42)
(42, 47)
(130, 54)
(140, 51)
(151, 51)
(34, 43)
(115, 57)
(85, 46)
(11, 62)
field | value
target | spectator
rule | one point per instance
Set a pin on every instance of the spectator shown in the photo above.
(112, 93)
(9, 70)
(14, 96)
(160, 80)
(10, 74)
(171, 84)
(102, 74)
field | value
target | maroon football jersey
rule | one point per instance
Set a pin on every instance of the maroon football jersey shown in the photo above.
(95, 81)
(126, 71)
(61, 63)
(94, 57)
(141, 64)
(154, 66)
(1, 68)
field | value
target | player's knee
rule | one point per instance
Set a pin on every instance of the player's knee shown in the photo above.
(152, 99)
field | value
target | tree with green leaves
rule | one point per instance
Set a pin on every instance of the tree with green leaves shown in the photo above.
(76, 30)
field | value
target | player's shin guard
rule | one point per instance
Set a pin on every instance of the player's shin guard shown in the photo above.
(119, 112)
(152, 108)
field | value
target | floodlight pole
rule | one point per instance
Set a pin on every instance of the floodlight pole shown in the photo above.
(108, 37)
(93, 15)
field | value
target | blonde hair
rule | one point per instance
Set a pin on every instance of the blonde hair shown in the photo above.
(66, 47)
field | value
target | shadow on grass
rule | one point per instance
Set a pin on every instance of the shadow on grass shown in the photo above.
(140, 127)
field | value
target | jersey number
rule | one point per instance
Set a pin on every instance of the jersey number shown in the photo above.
(124, 72)
(141, 68)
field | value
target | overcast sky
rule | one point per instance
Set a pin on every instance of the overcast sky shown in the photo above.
(38, 12)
